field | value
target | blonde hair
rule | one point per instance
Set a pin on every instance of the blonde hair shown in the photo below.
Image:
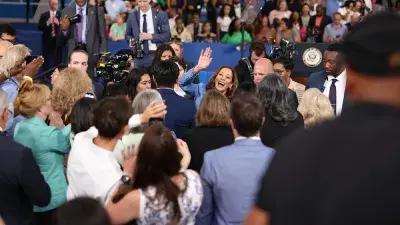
(213, 110)
(71, 85)
(12, 55)
(315, 107)
(31, 97)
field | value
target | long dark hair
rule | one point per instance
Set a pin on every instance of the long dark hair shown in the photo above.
(159, 52)
(82, 115)
(231, 12)
(133, 80)
(231, 91)
(158, 160)
(275, 97)
(232, 27)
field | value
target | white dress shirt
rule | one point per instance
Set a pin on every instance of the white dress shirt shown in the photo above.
(150, 26)
(52, 14)
(340, 89)
(84, 20)
(92, 171)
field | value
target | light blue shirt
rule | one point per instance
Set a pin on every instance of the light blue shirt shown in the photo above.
(114, 7)
(49, 146)
(196, 91)
(331, 32)
(84, 20)
(10, 86)
(231, 177)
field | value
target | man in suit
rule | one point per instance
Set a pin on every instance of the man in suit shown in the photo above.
(231, 174)
(22, 185)
(79, 59)
(317, 24)
(149, 25)
(181, 111)
(332, 81)
(49, 23)
(89, 33)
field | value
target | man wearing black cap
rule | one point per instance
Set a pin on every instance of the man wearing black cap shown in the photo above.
(345, 171)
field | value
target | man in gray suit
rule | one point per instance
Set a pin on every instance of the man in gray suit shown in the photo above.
(149, 25)
(89, 33)
(232, 173)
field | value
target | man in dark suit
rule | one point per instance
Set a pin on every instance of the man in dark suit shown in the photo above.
(332, 81)
(89, 33)
(152, 27)
(21, 183)
(318, 23)
(49, 24)
(181, 111)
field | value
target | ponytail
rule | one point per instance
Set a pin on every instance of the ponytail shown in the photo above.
(31, 97)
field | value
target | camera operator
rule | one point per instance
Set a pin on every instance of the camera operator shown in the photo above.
(149, 28)
(245, 67)
(83, 26)
(131, 63)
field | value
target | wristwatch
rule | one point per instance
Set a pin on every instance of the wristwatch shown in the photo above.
(125, 179)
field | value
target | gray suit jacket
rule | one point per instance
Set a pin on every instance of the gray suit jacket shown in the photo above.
(96, 40)
(162, 32)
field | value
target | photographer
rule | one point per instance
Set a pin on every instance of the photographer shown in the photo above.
(245, 67)
(83, 27)
(147, 28)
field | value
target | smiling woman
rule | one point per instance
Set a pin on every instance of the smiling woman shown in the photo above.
(223, 80)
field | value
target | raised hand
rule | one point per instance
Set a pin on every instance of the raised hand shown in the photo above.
(154, 110)
(65, 23)
(129, 155)
(33, 67)
(204, 60)
(184, 150)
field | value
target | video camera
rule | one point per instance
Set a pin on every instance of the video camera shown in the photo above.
(284, 49)
(112, 68)
(75, 19)
(137, 48)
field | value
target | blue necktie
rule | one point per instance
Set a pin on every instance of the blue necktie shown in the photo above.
(145, 42)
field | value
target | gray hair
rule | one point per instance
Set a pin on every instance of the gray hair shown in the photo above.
(13, 54)
(3, 100)
(140, 103)
(144, 98)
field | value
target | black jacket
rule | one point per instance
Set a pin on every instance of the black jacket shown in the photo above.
(242, 71)
(22, 185)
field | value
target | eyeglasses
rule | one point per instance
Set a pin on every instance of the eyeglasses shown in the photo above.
(11, 41)
(280, 72)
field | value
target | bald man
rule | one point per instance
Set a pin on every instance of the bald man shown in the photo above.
(4, 46)
(262, 67)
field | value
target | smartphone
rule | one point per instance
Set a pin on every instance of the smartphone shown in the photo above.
(132, 42)
(31, 58)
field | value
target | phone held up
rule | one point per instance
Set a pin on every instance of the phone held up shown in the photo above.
(30, 58)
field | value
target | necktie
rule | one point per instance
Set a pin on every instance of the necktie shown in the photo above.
(79, 27)
(144, 30)
(332, 95)
(53, 29)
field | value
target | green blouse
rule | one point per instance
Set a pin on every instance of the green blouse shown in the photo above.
(236, 38)
(118, 31)
(49, 146)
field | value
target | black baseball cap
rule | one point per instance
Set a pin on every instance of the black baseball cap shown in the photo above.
(373, 46)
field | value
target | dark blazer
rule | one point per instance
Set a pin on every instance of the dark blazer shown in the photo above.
(180, 112)
(96, 40)
(162, 32)
(21, 183)
(243, 72)
(203, 139)
(272, 133)
(317, 80)
(98, 90)
(49, 42)
(325, 21)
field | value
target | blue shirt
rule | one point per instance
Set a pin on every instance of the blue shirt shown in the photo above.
(331, 32)
(114, 7)
(10, 86)
(231, 178)
(49, 146)
(84, 20)
(196, 91)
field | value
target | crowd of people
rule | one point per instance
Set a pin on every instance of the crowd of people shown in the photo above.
(219, 21)
(250, 146)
